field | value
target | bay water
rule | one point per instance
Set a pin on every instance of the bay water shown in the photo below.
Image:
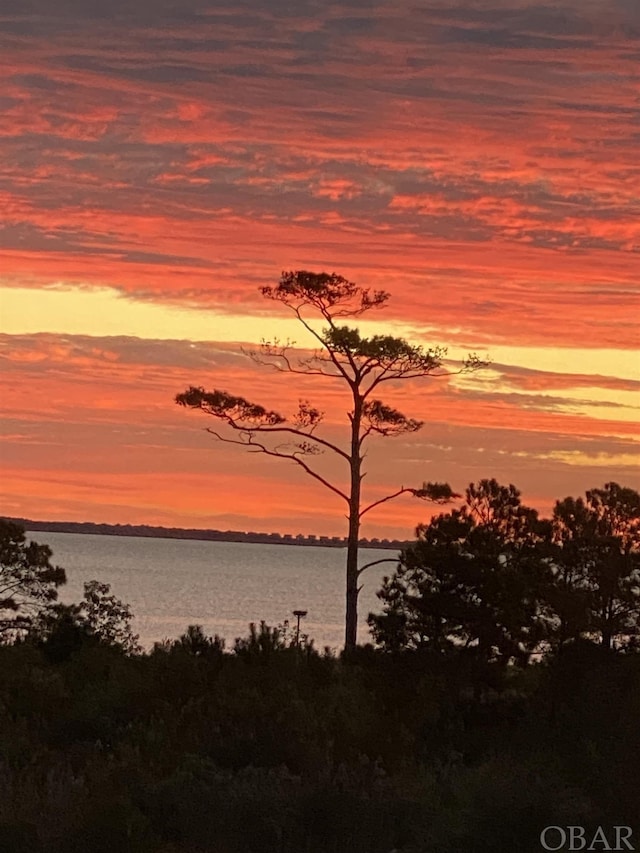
(223, 586)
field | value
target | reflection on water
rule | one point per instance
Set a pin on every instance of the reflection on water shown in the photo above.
(173, 583)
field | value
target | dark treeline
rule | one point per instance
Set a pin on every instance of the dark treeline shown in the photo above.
(494, 578)
(502, 696)
(147, 530)
(273, 748)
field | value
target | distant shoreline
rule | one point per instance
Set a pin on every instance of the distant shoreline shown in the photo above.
(146, 530)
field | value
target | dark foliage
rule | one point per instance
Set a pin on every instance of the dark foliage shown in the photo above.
(278, 748)
(493, 580)
(274, 747)
(28, 580)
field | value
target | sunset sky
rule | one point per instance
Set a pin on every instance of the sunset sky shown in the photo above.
(160, 161)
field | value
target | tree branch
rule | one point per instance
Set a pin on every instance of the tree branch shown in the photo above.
(235, 412)
(297, 432)
(338, 364)
(269, 352)
(256, 447)
(439, 493)
(376, 563)
(402, 491)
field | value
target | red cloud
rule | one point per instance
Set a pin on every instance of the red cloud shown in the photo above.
(485, 174)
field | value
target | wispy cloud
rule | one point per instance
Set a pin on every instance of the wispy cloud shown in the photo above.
(82, 411)
(488, 153)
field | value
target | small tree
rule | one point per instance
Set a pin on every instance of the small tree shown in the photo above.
(100, 618)
(475, 579)
(362, 364)
(108, 618)
(597, 565)
(28, 581)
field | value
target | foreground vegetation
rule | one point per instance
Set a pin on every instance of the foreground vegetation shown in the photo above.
(278, 748)
(503, 696)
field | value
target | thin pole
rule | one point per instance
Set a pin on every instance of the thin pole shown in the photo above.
(298, 614)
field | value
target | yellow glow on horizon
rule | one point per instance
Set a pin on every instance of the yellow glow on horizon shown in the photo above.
(104, 312)
(583, 361)
(593, 460)
(600, 403)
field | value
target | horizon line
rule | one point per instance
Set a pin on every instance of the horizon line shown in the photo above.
(208, 533)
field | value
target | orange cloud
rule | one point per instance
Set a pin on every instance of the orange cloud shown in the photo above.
(92, 422)
(478, 163)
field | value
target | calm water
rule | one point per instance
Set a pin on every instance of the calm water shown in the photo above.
(173, 583)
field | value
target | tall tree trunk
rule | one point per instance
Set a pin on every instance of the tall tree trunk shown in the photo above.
(351, 615)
